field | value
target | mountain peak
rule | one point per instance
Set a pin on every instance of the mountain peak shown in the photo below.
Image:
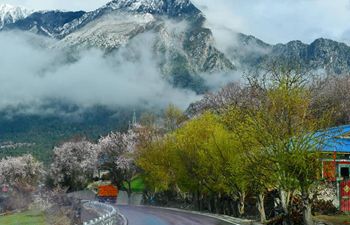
(161, 7)
(10, 14)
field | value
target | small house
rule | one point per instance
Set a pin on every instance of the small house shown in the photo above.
(336, 163)
(336, 154)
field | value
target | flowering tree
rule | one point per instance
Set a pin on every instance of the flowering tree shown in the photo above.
(73, 164)
(117, 156)
(22, 175)
(232, 94)
(20, 172)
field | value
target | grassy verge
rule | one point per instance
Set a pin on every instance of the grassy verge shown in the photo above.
(25, 218)
(335, 220)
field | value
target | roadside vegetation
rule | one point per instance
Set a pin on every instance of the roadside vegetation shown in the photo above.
(24, 218)
(268, 141)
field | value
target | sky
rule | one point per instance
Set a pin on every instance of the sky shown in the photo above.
(280, 21)
(273, 21)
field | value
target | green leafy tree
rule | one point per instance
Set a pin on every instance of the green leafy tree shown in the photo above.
(286, 129)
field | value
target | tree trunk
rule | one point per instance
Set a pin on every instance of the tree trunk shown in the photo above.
(307, 216)
(225, 210)
(241, 204)
(217, 204)
(201, 199)
(261, 207)
(285, 200)
(209, 204)
(197, 199)
(232, 206)
(129, 192)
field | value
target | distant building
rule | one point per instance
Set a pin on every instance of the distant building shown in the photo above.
(133, 124)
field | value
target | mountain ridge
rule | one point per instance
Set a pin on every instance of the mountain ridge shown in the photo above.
(321, 54)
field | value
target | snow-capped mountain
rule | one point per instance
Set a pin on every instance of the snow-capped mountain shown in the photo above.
(183, 45)
(185, 52)
(173, 8)
(47, 23)
(59, 24)
(108, 32)
(10, 14)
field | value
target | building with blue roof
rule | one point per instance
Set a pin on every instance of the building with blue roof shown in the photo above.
(338, 140)
(336, 163)
(336, 157)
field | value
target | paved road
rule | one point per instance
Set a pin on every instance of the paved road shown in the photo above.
(154, 216)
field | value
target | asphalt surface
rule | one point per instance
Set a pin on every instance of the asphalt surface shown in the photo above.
(155, 216)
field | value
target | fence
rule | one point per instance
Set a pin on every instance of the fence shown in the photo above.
(109, 214)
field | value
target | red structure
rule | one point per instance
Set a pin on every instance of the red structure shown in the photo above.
(345, 196)
(107, 193)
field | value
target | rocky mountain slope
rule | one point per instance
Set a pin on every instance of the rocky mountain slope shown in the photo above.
(47, 23)
(322, 55)
(183, 46)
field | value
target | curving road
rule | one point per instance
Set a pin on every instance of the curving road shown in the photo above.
(155, 216)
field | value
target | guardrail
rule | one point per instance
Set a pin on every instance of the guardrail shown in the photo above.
(109, 214)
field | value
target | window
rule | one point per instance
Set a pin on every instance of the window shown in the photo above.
(344, 172)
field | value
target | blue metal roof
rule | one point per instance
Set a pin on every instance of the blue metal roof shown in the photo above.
(338, 139)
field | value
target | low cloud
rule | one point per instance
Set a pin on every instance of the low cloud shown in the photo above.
(31, 75)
